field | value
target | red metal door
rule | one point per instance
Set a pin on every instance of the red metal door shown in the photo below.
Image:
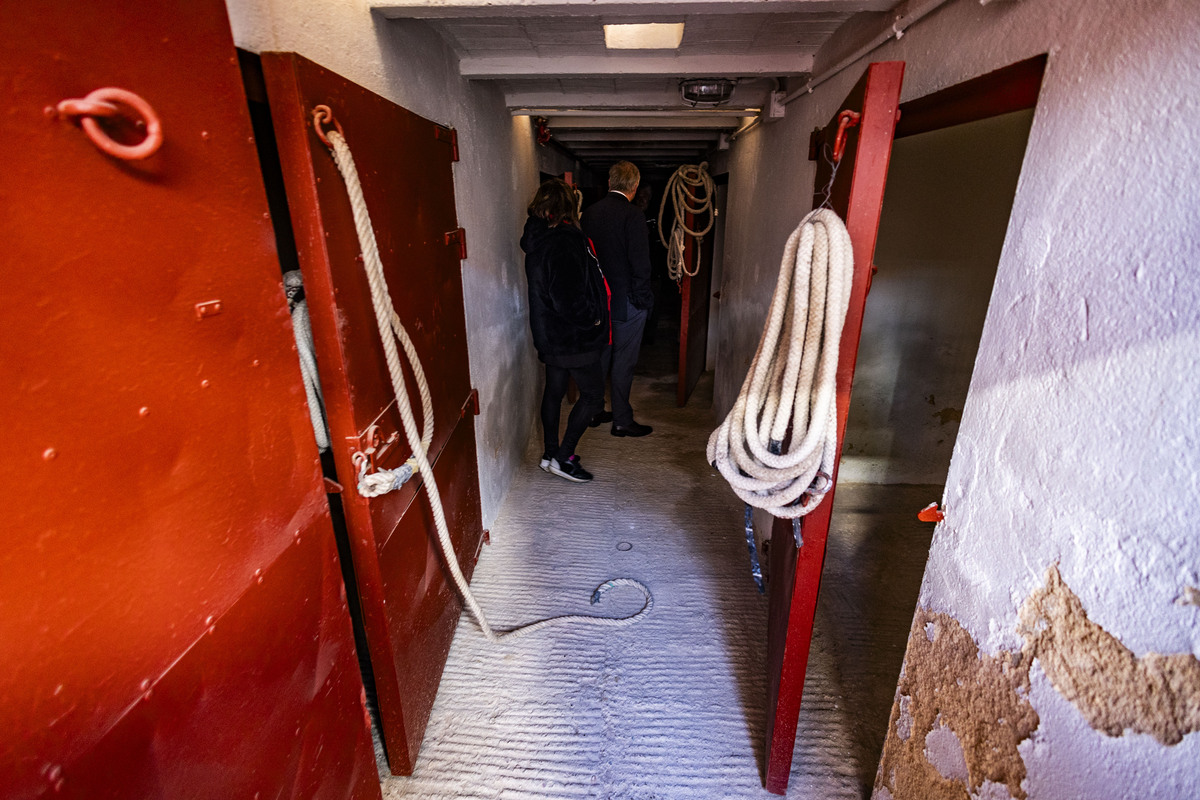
(173, 620)
(857, 196)
(693, 312)
(410, 608)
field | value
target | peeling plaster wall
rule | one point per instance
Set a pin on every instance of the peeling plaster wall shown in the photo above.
(407, 62)
(1079, 444)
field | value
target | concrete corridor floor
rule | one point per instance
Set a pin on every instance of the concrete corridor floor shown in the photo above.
(672, 707)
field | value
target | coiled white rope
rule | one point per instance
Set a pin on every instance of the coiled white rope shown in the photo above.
(390, 328)
(792, 382)
(684, 191)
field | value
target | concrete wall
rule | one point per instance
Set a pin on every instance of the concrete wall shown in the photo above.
(407, 63)
(1054, 649)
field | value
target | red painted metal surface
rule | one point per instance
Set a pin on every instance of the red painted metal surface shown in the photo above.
(173, 622)
(693, 313)
(857, 197)
(405, 165)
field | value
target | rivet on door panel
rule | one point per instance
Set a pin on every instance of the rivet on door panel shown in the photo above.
(209, 308)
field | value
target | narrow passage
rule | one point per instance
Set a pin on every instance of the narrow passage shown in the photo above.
(673, 707)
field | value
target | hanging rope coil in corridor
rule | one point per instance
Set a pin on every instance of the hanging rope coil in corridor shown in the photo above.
(390, 331)
(690, 190)
(792, 382)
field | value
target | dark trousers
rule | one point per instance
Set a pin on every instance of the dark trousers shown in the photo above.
(590, 381)
(620, 358)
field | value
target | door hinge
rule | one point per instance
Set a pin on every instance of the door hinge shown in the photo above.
(332, 486)
(448, 135)
(458, 236)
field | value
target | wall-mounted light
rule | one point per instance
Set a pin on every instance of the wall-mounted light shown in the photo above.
(709, 92)
(644, 36)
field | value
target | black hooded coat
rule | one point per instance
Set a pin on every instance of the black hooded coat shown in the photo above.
(568, 296)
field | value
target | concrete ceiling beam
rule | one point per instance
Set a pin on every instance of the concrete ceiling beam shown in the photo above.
(665, 99)
(647, 9)
(643, 64)
(593, 148)
(662, 135)
(633, 122)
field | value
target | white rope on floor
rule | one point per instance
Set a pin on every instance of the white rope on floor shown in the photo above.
(390, 330)
(792, 382)
(690, 190)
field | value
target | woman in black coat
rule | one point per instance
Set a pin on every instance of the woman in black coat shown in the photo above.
(569, 316)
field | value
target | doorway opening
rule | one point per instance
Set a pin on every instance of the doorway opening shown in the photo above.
(953, 175)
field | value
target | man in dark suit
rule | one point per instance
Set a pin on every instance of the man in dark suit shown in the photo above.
(617, 229)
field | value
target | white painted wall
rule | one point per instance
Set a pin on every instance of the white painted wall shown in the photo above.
(406, 62)
(1080, 443)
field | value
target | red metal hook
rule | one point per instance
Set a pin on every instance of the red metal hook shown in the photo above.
(323, 115)
(107, 102)
(846, 119)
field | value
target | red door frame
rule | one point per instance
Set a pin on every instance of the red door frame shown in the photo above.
(1008, 89)
(857, 197)
(693, 312)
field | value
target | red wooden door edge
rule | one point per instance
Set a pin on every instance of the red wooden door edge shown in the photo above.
(410, 608)
(857, 197)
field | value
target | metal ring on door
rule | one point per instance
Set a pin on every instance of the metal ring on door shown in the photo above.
(323, 115)
(107, 102)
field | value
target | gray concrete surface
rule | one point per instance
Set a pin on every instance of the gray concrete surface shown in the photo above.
(673, 707)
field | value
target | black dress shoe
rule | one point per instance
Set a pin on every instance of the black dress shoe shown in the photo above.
(600, 418)
(632, 429)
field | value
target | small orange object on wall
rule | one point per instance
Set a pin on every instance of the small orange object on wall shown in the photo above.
(931, 513)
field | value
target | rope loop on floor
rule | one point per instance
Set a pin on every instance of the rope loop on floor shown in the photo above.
(792, 383)
(690, 190)
(390, 331)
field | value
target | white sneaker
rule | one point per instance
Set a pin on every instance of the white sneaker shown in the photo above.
(570, 469)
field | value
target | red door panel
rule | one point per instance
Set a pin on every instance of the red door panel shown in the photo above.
(857, 197)
(693, 313)
(251, 666)
(405, 166)
(422, 608)
(172, 623)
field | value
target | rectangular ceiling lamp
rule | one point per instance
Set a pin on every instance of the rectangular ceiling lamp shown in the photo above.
(644, 36)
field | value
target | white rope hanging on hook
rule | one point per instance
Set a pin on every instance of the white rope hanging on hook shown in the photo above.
(391, 329)
(690, 190)
(792, 382)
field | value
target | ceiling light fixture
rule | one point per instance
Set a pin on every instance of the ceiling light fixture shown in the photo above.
(644, 36)
(706, 92)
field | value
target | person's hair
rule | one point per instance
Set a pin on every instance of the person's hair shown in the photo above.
(555, 202)
(623, 177)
